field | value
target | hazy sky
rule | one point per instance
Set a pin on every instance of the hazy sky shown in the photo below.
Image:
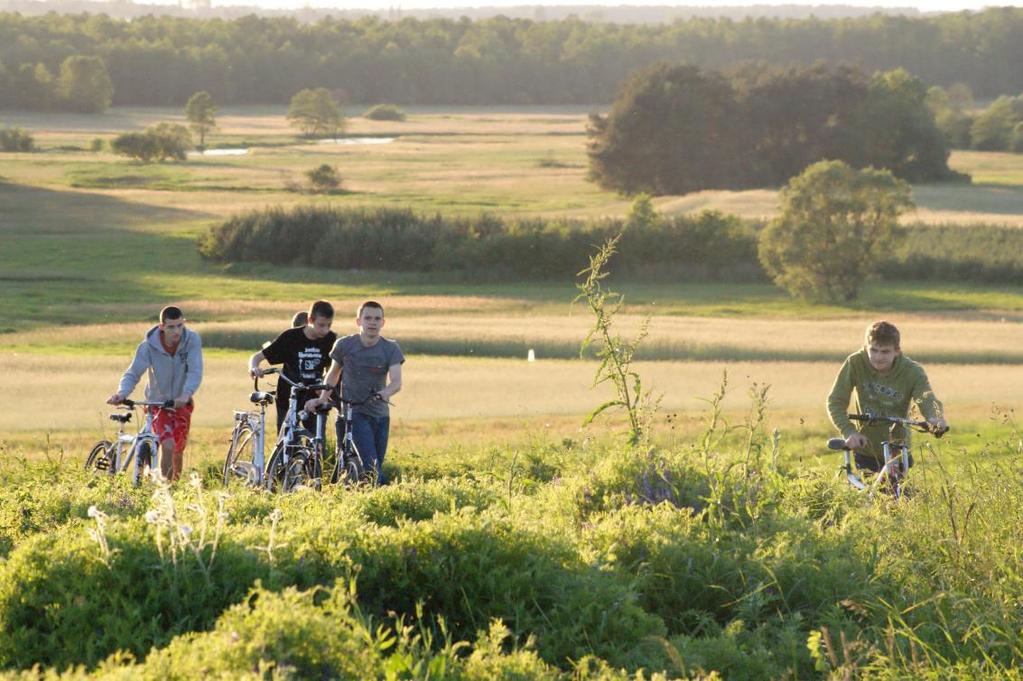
(922, 5)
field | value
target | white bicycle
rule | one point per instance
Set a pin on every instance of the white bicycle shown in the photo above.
(891, 474)
(141, 447)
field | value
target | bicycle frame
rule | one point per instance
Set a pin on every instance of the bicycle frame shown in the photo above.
(346, 441)
(126, 449)
(896, 452)
(254, 421)
(292, 429)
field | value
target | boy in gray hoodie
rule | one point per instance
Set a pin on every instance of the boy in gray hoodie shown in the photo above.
(172, 356)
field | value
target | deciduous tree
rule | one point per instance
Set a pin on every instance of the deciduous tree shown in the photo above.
(315, 113)
(672, 130)
(835, 226)
(84, 84)
(201, 114)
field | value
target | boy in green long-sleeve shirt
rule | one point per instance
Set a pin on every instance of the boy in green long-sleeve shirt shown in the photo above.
(886, 384)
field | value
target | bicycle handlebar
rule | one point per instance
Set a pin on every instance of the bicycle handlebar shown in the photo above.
(922, 426)
(301, 386)
(166, 404)
(374, 396)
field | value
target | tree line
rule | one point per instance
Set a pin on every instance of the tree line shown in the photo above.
(162, 60)
(837, 229)
(675, 129)
(999, 127)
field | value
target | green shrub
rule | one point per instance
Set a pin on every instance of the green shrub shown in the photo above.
(158, 143)
(323, 178)
(16, 139)
(978, 253)
(384, 112)
(555, 562)
(710, 245)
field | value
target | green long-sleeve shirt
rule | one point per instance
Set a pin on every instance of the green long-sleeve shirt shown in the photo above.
(889, 394)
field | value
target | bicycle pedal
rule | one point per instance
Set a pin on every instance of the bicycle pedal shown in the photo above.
(102, 463)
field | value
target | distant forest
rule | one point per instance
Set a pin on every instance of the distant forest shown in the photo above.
(265, 60)
(622, 14)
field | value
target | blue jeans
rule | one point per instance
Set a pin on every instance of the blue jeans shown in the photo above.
(370, 436)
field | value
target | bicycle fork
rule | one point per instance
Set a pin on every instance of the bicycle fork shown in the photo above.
(259, 450)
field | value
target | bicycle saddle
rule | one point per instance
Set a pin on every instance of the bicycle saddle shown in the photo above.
(259, 397)
(121, 418)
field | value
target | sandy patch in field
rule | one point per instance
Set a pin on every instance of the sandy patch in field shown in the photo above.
(57, 392)
(442, 321)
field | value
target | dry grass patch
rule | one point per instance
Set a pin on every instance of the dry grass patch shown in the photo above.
(455, 388)
(452, 325)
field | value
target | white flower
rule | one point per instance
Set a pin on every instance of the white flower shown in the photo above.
(94, 512)
(152, 516)
(185, 530)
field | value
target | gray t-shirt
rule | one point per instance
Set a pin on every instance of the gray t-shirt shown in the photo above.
(364, 370)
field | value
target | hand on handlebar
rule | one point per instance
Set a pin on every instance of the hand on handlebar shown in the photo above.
(938, 426)
(115, 399)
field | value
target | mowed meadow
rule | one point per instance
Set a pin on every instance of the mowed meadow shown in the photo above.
(94, 243)
(514, 543)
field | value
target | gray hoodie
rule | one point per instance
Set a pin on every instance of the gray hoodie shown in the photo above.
(169, 377)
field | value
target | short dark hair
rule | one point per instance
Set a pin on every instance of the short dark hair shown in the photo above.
(370, 303)
(321, 308)
(300, 319)
(171, 312)
(883, 333)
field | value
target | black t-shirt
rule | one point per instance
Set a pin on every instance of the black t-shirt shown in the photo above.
(304, 360)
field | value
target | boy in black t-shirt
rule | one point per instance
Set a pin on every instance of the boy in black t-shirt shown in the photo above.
(304, 351)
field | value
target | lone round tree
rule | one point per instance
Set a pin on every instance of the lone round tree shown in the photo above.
(835, 227)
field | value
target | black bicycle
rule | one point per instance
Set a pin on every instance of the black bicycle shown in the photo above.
(297, 458)
(349, 466)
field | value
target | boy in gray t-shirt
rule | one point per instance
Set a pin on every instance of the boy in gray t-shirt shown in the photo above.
(369, 367)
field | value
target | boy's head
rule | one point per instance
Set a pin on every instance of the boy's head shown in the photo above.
(172, 323)
(321, 316)
(370, 318)
(882, 345)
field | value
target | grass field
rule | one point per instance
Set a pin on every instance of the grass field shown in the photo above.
(736, 548)
(92, 243)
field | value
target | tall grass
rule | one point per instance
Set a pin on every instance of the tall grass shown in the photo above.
(684, 559)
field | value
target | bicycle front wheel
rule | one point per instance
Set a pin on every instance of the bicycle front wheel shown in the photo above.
(283, 477)
(239, 464)
(146, 459)
(100, 459)
(349, 469)
(314, 467)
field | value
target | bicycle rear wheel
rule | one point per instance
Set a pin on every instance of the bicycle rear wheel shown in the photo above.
(100, 459)
(239, 465)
